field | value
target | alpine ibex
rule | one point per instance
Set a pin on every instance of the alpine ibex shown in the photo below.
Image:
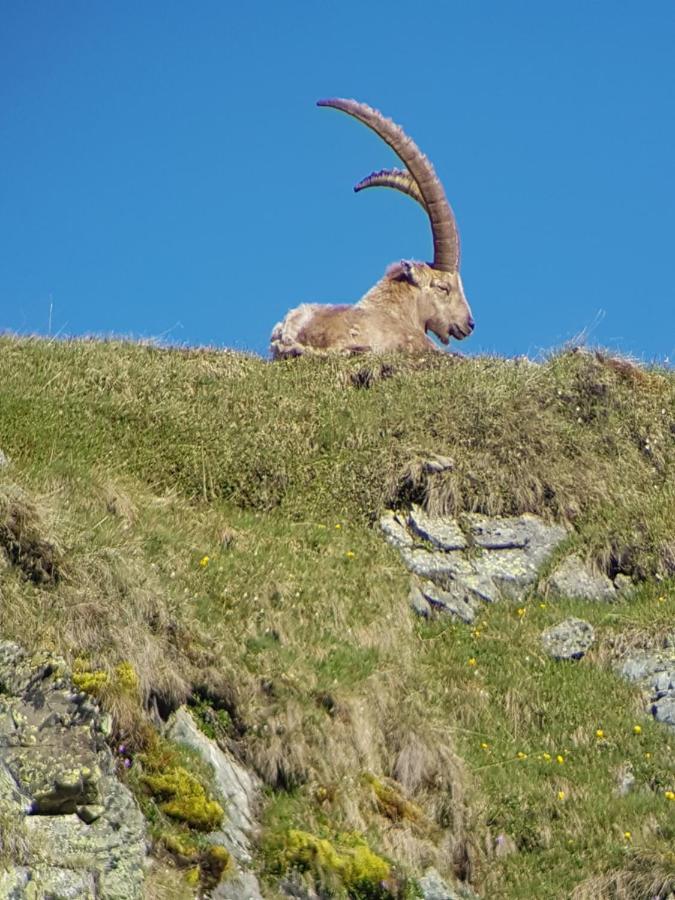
(412, 298)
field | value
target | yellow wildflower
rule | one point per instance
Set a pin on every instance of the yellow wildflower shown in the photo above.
(521, 755)
(560, 759)
(472, 661)
(627, 835)
(670, 795)
(350, 554)
(338, 525)
(599, 733)
(521, 611)
(561, 795)
(484, 746)
(547, 757)
(637, 729)
(204, 561)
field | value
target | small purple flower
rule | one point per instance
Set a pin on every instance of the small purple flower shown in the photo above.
(122, 749)
(127, 763)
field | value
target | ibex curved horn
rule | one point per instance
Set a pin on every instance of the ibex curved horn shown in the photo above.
(443, 225)
(393, 178)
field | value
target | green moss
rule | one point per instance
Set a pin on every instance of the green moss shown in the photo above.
(182, 797)
(391, 802)
(124, 679)
(204, 864)
(90, 682)
(214, 723)
(351, 865)
(180, 844)
(216, 865)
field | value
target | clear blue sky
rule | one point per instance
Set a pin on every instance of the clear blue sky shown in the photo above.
(164, 171)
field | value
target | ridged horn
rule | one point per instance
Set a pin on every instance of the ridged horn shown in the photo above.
(443, 225)
(397, 179)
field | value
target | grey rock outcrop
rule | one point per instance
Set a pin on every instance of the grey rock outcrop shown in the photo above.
(654, 672)
(394, 527)
(435, 888)
(568, 640)
(460, 564)
(75, 829)
(445, 533)
(240, 791)
(574, 579)
(426, 597)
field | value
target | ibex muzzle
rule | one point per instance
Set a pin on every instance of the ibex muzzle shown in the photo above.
(413, 298)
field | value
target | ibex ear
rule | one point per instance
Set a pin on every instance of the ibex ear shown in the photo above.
(403, 271)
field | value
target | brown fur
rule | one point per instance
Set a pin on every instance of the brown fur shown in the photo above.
(411, 300)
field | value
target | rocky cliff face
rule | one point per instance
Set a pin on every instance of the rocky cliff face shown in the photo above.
(70, 828)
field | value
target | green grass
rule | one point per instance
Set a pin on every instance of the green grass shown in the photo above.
(209, 518)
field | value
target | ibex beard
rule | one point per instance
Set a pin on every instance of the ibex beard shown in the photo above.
(413, 299)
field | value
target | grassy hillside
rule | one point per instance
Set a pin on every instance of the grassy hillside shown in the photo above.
(210, 519)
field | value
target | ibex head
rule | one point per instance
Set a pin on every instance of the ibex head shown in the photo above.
(441, 298)
(442, 292)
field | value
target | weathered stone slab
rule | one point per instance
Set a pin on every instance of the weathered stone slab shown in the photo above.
(426, 598)
(664, 710)
(442, 568)
(486, 558)
(442, 532)
(574, 579)
(528, 532)
(243, 886)
(436, 463)
(511, 570)
(654, 672)
(570, 639)
(395, 531)
(436, 888)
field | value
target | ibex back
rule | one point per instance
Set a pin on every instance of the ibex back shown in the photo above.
(413, 298)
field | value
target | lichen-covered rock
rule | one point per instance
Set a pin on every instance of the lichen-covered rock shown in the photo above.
(623, 585)
(434, 887)
(443, 532)
(394, 530)
(576, 580)
(469, 561)
(426, 599)
(654, 672)
(78, 828)
(22, 883)
(568, 640)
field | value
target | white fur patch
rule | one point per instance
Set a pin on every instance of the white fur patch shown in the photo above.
(296, 320)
